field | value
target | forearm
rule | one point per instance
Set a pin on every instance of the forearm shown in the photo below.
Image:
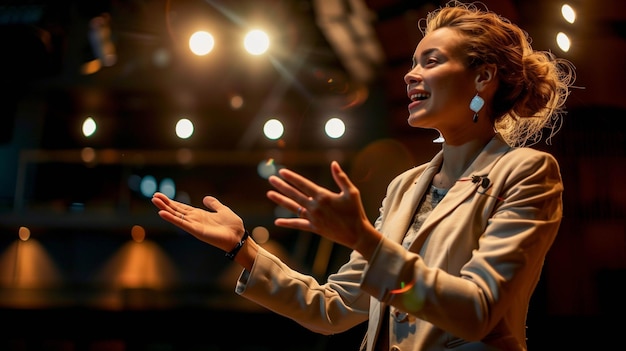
(277, 287)
(368, 241)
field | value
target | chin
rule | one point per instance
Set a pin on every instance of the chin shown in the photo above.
(413, 121)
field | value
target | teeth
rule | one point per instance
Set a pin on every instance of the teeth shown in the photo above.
(419, 96)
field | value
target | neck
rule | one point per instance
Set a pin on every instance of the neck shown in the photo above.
(456, 159)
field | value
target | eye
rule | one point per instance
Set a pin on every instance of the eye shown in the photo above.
(431, 61)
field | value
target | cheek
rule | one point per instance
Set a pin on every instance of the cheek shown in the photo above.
(449, 91)
(458, 88)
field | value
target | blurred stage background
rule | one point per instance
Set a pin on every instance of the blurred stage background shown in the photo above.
(85, 262)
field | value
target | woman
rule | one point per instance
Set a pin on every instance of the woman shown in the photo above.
(457, 250)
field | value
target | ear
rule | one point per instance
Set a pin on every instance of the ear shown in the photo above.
(485, 76)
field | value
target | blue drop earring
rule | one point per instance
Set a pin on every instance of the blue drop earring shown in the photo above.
(475, 105)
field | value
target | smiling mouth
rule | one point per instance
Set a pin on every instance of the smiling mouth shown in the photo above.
(419, 96)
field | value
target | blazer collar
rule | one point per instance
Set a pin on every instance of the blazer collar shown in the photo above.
(463, 188)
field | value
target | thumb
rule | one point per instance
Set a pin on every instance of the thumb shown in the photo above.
(340, 177)
(211, 203)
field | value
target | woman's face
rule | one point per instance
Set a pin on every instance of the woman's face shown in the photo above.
(439, 83)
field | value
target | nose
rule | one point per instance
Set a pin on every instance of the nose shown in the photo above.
(412, 76)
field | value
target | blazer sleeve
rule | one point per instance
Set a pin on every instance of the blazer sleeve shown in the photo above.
(329, 308)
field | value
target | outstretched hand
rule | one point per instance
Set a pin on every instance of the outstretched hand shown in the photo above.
(339, 217)
(218, 226)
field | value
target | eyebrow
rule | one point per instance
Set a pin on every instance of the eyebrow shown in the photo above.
(430, 51)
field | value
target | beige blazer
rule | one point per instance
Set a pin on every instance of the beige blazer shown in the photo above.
(473, 266)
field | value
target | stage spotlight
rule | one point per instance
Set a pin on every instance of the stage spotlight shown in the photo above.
(257, 42)
(201, 43)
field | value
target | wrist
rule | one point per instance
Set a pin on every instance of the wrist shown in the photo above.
(248, 253)
(369, 243)
(232, 253)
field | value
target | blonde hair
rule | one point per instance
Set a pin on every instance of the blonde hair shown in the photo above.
(533, 85)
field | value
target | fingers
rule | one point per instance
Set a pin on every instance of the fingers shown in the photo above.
(285, 202)
(286, 195)
(298, 194)
(340, 177)
(295, 185)
(160, 201)
(171, 210)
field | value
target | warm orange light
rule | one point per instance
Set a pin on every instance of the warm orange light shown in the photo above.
(138, 233)
(24, 233)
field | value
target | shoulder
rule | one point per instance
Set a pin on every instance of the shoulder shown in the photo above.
(527, 165)
(526, 157)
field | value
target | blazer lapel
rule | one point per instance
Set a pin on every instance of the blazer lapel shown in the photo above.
(463, 188)
(376, 316)
(397, 223)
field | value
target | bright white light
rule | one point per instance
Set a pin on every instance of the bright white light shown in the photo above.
(568, 13)
(184, 128)
(256, 42)
(89, 127)
(335, 128)
(273, 129)
(563, 41)
(201, 43)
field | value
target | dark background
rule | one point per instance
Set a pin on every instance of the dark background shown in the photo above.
(82, 283)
